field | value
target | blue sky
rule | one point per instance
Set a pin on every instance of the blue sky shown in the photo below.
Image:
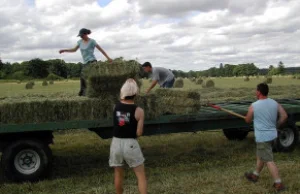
(103, 3)
(30, 2)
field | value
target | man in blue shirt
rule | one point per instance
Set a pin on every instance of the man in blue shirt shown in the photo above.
(264, 114)
(87, 46)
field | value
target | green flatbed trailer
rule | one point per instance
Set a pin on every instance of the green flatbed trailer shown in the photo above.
(26, 155)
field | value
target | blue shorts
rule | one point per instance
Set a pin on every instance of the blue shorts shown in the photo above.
(168, 84)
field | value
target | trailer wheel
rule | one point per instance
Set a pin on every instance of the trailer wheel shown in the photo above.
(236, 134)
(26, 160)
(287, 139)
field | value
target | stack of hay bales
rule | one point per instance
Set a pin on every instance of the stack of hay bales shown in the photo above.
(105, 79)
(38, 110)
(103, 90)
(177, 101)
(179, 83)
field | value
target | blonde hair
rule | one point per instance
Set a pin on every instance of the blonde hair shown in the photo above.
(129, 88)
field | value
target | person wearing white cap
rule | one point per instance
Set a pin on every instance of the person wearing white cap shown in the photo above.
(128, 126)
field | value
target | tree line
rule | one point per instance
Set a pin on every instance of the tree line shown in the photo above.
(230, 70)
(59, 69)
(39, 69)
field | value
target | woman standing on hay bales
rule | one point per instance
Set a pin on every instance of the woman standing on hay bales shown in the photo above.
(162, 76)
(128, 125)
(87, 46)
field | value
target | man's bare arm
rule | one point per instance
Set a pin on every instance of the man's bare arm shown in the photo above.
(140, 116)
(249, 116)
(153, 84)
(282, 115)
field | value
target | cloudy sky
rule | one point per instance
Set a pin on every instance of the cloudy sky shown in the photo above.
(185, 35)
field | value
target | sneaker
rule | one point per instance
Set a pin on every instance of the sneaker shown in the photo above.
(251, 177)
(279, 187)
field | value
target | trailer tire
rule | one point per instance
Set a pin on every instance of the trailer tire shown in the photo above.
(26, 160)
(236, 134)
(287, 139)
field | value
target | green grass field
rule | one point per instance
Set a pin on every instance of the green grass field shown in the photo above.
(185, 163)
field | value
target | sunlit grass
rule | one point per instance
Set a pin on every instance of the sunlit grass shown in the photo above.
(185, 163)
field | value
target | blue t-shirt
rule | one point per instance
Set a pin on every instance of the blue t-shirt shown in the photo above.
(265, 118)
(87, 50)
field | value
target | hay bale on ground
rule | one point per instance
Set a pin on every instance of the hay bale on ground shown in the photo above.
(29, 85)
(193, 79)
(45, 83)
(199, 81)
(296, 76)
(246, 79)
(179, 83)
(268, 80)
(51, 82)
(208, 83)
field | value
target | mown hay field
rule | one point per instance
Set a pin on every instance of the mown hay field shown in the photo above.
(12, 88)
(184, 163)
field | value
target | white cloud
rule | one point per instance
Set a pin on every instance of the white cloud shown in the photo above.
(191, 34)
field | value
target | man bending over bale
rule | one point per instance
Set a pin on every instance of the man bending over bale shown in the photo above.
(264, 113)
(164, 77)
(128, 125)
(87, 47)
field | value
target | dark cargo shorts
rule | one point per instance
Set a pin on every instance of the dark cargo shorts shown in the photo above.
(264, 151)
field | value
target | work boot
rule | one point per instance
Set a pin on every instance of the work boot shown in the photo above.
(279, 187)
(251, 177)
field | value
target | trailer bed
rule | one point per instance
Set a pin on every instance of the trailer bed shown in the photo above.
(207, 119)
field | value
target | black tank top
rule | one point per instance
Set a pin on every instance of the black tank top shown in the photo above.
(125, 124)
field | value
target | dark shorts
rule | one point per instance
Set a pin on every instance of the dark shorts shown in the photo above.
(264, 151)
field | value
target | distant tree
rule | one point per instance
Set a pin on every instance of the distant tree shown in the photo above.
(37, 68)
(73, 69)
(58, 67)
(1, 64)
(221, 70)
(245, 70)
(228, 70)
(221, 66)
(7, 68)
(280, 68)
